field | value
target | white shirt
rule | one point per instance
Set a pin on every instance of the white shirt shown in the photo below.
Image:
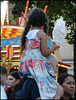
(3, 94)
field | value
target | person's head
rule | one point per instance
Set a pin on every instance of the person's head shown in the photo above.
(37, 18)
(3, 75)
(67, 81)
(13, 80)
(53, 61)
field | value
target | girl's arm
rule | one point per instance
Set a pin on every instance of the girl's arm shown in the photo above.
(45, 51)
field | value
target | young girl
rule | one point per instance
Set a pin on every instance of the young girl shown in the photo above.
(34, 63)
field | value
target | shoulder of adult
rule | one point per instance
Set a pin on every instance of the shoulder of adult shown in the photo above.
(30, 89)
(34, 89)
(17, 95)
(31, 81)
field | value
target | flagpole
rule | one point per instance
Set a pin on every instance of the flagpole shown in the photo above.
(8, 16)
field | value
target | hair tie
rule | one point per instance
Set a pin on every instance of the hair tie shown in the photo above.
(45, 22)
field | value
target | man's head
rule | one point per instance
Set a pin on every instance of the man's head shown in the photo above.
(53, 61)
(3, 75)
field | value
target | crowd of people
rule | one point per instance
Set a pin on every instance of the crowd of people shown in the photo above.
(27, 88)
(36, 78)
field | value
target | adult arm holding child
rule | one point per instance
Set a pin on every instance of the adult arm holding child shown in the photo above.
(54, 63)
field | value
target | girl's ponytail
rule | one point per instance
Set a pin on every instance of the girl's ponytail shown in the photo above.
(46, 24)
(24, 35)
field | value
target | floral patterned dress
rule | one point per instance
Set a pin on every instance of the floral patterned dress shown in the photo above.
(33, 63)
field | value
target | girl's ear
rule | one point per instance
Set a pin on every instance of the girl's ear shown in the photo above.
(42, 27)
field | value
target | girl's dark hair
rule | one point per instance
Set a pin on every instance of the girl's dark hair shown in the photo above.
(62, 77)
(10, 93)
(36, 18)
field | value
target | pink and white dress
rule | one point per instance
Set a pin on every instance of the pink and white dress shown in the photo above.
(34, 64)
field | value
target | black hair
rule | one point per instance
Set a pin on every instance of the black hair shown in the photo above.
(3, 70)
(15, 74)
(36, 18)
(10, 93)
(62, 77)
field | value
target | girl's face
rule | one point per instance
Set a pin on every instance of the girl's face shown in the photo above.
(69, 86)
(11, 82)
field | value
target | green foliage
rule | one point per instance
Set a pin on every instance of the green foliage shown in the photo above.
(66, 9)
(56, 9)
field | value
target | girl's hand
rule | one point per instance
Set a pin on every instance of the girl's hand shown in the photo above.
(55, 46)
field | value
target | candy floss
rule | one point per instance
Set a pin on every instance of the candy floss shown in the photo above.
(59, 31)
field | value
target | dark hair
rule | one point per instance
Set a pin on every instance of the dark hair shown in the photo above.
(3, 70)
(15, 74)
(62, 77)
(10, 93)
(36, 18)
